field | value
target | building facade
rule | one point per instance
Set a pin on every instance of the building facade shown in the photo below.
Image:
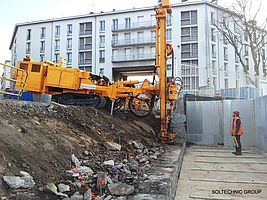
(122, 44)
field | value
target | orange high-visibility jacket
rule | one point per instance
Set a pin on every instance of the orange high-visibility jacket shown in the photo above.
(234, 126)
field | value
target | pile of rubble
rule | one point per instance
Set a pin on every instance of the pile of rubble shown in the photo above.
(66, 152)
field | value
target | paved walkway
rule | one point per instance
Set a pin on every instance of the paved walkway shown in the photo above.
(213, 172)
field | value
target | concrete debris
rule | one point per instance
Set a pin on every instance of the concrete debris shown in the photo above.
(84, 170)
(63, 188)
(109, 197)
(121, 198)
(75, 196)
(87, 195)
(14, 181)
(121, 189)
(109, 162)
(112, 146)
(75, 161)
(52, 188)
(25, 181)
(137, 145)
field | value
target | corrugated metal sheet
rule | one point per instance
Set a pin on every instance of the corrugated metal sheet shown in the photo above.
(209, 122)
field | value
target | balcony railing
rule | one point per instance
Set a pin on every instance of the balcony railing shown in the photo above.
(126, 42)
(133, 57)
(186, 55)
(135, 25)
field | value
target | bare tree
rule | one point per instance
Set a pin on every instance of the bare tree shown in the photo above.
(239, 28)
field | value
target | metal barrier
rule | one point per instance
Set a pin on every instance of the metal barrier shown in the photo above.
(21, 81)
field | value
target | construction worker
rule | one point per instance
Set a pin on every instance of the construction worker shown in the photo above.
(237, 131)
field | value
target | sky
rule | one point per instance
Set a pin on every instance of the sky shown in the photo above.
(16, 11)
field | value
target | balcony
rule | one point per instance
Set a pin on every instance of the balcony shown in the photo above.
(135, 41)
(133, 57)
(134, 26)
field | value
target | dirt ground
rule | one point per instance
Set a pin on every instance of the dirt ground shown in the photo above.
(40, 140)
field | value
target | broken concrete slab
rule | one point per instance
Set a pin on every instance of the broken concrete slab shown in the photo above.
(112, 146)
(63, 187)
(121, 189)
(15, 182)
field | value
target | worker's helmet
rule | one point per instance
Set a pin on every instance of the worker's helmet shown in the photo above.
(236, 112)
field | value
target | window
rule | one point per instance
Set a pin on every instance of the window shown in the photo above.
(226, 85)
(169, 19)
(213, 36)
(214, 83)
(56, 58)
(153, 50)
(101, 56)
(69, 58)
(115, 24)
(247, 63)
(114, 39)
(42, 58)
(36, 68)
(85, 43)
(140, 20)
(225, 52)
(42, 47)
(212, 18)
(127, 38)
(29, 34)
(169, 34)
(246, 37)
(101, 41)
(128, 53)
(169, 67)
(189, 50)
(86, 28)
(57, 45)
(28, 48)
(213, 64)
(236, 58)
(57, 31)
(225, 41)
(263, 54)
(43, 30)
(85, 58)
(213, 50)
(237, 71)
(115, 52)
(246, 50)
(140, 52)
(152, 20)
(140, 36)
(69, 29)
(86, 68)
(188, 17)
(153, 35)
(127, 22)
(225, 67)
(189, 34)
(102, 26)
(69, 43)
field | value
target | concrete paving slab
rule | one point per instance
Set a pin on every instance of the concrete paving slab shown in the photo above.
(217, 175)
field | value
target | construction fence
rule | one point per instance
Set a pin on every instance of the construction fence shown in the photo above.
(209, 122)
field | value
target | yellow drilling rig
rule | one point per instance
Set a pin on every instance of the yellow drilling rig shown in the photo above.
(74, 86)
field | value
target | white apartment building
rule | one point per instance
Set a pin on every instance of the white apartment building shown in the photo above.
(122, 44)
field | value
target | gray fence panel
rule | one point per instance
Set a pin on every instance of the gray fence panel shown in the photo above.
(246, 109)
(203, 122)
(261, 122)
